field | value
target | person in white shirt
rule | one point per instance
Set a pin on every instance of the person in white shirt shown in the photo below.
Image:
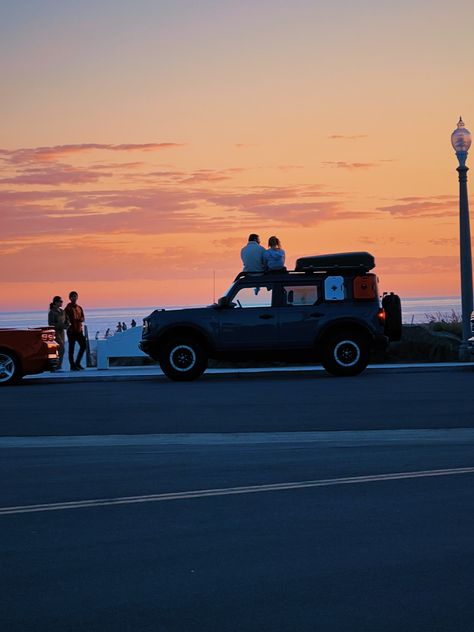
(252, 255)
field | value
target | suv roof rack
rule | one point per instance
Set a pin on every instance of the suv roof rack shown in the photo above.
(266, 273)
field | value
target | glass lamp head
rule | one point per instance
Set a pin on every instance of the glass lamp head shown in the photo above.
(461, 138)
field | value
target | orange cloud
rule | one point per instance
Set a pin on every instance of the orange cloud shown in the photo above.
(417, 265)
(82, 257)
(289, 167)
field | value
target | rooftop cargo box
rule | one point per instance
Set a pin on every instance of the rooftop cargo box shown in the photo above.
(357, 261)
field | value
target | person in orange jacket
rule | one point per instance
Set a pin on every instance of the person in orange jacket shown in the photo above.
(75, 331)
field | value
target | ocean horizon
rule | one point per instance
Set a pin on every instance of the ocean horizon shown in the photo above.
(99, 319)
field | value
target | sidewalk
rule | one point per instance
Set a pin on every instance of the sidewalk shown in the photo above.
(126, 373)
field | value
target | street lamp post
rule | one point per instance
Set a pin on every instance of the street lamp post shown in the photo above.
(461, 141)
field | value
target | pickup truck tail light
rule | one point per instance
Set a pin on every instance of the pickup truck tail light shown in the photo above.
(48, 336)
(381, 316)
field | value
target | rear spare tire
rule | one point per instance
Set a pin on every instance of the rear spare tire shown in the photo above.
(393, 316)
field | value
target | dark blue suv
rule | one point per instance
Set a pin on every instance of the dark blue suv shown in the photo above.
(327, 309)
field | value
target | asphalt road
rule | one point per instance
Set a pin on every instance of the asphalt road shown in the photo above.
(334, 505)
(257, 404)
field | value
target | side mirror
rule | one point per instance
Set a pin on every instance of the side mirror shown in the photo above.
(223, 301)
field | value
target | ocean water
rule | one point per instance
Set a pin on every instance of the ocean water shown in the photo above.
(98, 320)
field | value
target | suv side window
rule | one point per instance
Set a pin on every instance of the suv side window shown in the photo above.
(300, 294)
(257, 296)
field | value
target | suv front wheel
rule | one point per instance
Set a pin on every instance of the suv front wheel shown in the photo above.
(183, 359)
(345, 354)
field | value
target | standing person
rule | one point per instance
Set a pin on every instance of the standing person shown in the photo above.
(75, 332)
(252, 255)
(58, 319)
(275, 255)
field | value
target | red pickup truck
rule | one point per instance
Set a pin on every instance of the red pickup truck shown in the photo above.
(26, 351)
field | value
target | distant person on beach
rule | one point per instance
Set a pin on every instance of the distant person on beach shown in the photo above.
(133, 323)
(75, 332)
(274, 256)
(108, 333)
(118, 329)
(124, 327)
(58, 319)
(252, 255)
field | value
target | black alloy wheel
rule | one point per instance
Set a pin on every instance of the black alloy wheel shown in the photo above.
(183, 359)
(345, 354)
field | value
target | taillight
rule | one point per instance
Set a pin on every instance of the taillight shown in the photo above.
(381, 316)
(48, 336)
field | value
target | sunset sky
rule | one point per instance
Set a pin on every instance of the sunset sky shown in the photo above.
(142, 141)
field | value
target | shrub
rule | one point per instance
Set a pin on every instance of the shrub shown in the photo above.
(448, 322)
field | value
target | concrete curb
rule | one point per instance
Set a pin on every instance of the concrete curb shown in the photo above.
(125, 374)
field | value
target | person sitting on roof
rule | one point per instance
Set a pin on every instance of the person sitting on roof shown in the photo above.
(274, 257)
(252, 255)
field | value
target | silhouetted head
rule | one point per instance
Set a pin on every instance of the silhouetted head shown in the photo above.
(73, 296)
(57, 302)
(254, 237)
(274, 242)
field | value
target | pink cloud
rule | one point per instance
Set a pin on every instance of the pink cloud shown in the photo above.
(49, 154)
(212, 175)
(345, 137)
(436, 206)
(160, 209)
(340, 164)
(56, 174)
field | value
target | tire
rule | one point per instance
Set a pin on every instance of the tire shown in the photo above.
(183, 359)
(345, 354)
(10, 371)
(393, 316)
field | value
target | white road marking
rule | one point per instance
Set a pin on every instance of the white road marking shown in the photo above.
(457, 436)
(229, 491)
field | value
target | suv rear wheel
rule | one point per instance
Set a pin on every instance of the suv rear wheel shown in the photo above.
(345, 354)
(183, 359)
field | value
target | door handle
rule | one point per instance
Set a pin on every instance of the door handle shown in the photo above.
(266, 316)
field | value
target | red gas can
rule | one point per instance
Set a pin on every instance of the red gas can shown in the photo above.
(365, 287)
